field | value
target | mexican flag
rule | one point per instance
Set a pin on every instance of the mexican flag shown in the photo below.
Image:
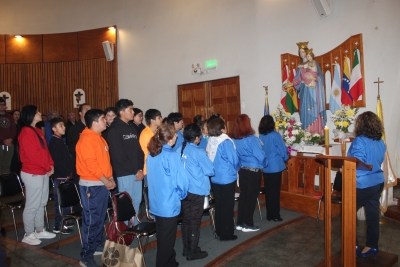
(356, 81)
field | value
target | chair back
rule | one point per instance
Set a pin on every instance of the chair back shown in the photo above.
(10, 185)
(68, 196)
(123, 207)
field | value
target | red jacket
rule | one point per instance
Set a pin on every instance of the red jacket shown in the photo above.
(35, 159)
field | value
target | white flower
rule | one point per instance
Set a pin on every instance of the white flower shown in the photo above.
(294, 132)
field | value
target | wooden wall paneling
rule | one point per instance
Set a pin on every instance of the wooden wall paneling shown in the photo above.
(27, 49)
(192, 101)
(2, 49)
(90, 42)
(60, 47)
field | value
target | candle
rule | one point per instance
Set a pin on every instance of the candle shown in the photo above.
(326, 134)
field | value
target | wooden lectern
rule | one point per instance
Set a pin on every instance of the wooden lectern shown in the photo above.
(349, 166)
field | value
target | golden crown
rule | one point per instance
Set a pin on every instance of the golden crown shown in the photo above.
(302, 45)
(309, 51)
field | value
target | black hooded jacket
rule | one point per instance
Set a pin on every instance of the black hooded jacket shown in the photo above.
(127, 157)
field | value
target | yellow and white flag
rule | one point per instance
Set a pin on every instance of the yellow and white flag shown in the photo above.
(390, 178)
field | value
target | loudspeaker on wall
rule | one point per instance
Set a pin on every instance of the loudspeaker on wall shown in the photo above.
(322, 7)
(108, 50)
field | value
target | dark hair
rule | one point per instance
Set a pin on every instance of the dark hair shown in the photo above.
(108, 109)
(81, 107)
(369, 125)
(266, 125)
(215, 127)
(174, 117)
(15, 110)
(242, 127)
(136, 111)
(197, 119)
(2, 100)
(190, 132)
(201, 124)
(151, 114)
(164, 133)
(50, 114)
(55, 121)
(28, 113)
(215, 116)
(122, 104)
(91, 116)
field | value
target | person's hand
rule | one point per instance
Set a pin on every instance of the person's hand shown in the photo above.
(139, 175)
(50, 173)
(8, 142)
(110, 184)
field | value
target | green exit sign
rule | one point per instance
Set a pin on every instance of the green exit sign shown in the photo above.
(211, 64)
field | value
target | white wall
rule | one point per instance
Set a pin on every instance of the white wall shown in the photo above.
(159, 40)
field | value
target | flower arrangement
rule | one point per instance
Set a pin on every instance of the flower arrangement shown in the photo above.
(344, 117)
(312, 138)
(282, 118)
(293, 133)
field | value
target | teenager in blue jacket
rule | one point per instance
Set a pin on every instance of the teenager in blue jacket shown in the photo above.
(252, 159)
(221, 151)
(369, 147)
(198, 168)
(168, 185)
(276, 154)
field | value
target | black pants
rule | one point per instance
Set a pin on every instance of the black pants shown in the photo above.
(272, 184)
(249, 183)
(166, 235)
(369, 198)
(2, 253)
(192, 209)
(224, 195)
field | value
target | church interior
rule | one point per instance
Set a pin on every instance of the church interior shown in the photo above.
(207, 57)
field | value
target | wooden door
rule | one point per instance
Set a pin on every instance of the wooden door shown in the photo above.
(211, 97)
(192, 101)
(225, 100)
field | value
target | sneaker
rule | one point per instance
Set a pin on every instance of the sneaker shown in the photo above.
(31, 240)
(88, 263)
(99, 250)
(44, 235)
(69, 224)
(239, 227)
(64, 231)
(247, 228)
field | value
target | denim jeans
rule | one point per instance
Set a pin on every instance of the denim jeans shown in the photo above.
(134, 188)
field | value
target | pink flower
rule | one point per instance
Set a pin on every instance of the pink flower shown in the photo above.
(290, 129)
(290, 135)
(292, 122)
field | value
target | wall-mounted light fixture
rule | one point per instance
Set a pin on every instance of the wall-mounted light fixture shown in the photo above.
(17, 36)
(108, 50)
(112, 28)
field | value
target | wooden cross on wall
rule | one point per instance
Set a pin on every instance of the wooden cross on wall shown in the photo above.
(378, 82)
(5, 97)
(78, 97)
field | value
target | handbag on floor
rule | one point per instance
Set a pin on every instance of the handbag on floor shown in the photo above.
(120, 255)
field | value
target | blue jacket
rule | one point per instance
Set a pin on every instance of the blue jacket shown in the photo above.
(250, 152)
(203, 142)
(275, 152)
(226, 164)
(167, 181)
(179, 141)
(198, 168)
(370, 152)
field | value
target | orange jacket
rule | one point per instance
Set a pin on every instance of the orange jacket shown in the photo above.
(144, 140)
(92, 156)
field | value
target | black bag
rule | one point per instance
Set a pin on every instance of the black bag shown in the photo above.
(337, 184)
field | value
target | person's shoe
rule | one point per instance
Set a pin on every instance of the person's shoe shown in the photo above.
(88, 263)
(31, 240)
(69, 224)
(99, 250)
(276, 220)
(239, 227)
(370, 251)
(247, 228)
(196, 254)
(64, 230)
(234, 237)
(44, 235)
